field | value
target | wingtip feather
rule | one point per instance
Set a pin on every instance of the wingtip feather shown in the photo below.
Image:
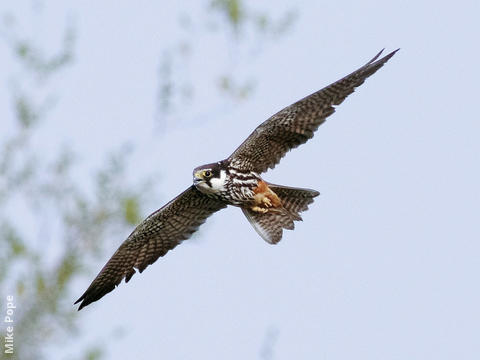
(81, 305)
(84, 301)
(376, 56)
(384, 59)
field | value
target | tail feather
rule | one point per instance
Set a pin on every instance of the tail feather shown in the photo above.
(294, 200)
(270, 225)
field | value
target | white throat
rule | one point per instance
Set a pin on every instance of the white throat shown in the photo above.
(218, 184)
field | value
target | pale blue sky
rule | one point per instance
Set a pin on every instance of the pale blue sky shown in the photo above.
(386, 262)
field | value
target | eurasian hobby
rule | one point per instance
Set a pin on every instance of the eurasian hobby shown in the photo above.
(234, 181)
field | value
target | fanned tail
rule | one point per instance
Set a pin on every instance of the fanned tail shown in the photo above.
(270, 225)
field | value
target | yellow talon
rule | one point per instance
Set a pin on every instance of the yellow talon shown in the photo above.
(259, 209)
(267, 202)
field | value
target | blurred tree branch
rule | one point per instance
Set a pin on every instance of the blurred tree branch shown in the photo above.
(245, 31)
(53, 226)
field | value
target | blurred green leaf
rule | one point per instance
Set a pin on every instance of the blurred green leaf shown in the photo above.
(66, 270)
(237, 91)
(20, 287)
(40, 283)
(131, 210)
(26, 114)
(232, 9)
(14, 243)
(94, 354)
(23, 49)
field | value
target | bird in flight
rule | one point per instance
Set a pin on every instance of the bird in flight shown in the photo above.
(234, 181)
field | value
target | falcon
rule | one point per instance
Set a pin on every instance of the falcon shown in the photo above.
(234, 181)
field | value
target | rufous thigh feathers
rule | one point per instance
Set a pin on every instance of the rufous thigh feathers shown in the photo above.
(265, 199)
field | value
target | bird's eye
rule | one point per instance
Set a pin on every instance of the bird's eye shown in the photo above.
(207, 173)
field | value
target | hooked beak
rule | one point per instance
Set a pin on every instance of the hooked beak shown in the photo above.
(197, 178)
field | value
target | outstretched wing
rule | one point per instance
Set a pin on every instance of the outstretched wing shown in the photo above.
(154, 237)
(296, 124)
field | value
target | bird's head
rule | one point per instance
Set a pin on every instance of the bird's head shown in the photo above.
(210, 178)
